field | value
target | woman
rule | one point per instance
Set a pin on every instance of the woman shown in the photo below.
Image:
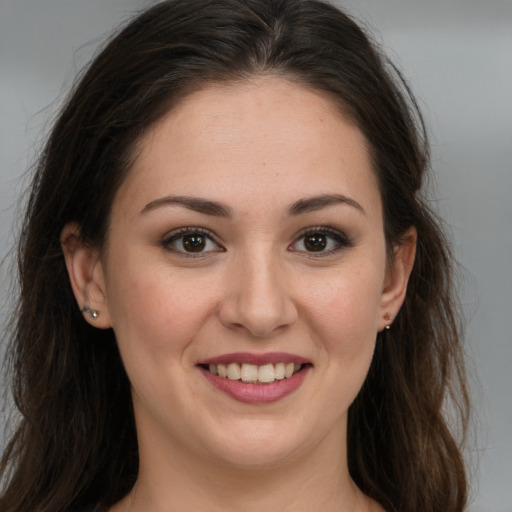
(232, 293)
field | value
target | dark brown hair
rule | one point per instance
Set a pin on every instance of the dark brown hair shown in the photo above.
(75, 444)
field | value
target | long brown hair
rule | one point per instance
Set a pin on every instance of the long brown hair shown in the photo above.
(75, 444)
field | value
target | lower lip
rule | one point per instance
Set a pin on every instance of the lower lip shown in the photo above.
(257, 393)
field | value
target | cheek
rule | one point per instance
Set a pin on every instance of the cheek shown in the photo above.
(156, 310)
(345, 312)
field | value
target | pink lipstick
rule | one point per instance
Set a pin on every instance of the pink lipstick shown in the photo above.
(257, 359)
(255, 378)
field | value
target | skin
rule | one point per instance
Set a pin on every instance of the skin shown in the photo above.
(256, 148)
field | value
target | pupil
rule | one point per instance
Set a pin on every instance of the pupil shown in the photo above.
(194, 243)
(316, 242)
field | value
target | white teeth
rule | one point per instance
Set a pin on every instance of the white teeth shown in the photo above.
(252, 373)
(266, 373)
(249, 372)
(234, 371)
(280, 373)
(222, 370)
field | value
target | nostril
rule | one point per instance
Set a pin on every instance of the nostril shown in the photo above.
(256, 299)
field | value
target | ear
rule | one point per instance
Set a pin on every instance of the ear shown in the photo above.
(85, 272)
(397, 278)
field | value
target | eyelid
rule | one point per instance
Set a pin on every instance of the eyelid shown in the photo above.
(342, 240)
(339, 237)
(178, 233)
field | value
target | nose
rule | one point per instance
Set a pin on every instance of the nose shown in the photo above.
(257, 298)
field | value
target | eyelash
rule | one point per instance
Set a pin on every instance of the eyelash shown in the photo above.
(341, 240)
(180, 233)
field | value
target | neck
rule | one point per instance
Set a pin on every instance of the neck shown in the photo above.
(176, 481)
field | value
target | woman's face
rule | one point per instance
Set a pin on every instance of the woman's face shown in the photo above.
(247, 239)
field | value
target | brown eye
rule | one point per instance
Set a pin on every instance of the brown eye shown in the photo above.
(194, 243)
(191, 242)
(321, 241)
(315, 242)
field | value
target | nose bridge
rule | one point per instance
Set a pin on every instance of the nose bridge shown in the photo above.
(258, 298)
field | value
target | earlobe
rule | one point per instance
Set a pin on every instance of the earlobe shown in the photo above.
(85, 272)
(397, 278)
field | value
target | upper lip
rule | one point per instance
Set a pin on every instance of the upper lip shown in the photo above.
(256, 359)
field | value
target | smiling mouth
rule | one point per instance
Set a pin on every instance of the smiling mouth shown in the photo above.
(255, 374)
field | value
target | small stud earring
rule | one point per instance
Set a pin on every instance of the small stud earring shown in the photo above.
(387, 317)
(91, 312)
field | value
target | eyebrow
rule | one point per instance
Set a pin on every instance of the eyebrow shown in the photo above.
(195, 204)
(216, 209)
(315, 203)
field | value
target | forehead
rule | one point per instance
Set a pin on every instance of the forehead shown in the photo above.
(266, 135)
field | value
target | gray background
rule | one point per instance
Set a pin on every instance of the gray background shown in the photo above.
(457, 55)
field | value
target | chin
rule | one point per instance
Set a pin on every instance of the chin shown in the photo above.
(267, 446)
(256, 459)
